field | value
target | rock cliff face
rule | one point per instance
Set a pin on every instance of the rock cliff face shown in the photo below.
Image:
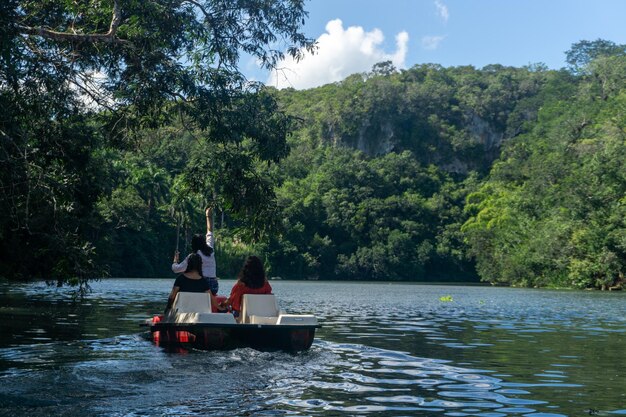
(380, 144)
(373, 139)
(482, 132)
(480, 145)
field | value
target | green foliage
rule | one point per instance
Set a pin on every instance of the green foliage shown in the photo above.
(81, 85)
(355, 217)
(583, 53)
(455, 118)
(552, 212)
(122, 121)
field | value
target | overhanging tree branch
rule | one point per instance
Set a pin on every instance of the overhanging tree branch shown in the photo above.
(199, 6)
(108, 37)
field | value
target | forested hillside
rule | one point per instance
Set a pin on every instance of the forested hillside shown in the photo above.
(553, 210)
(382, 164)
(512, 176)
(427, 173)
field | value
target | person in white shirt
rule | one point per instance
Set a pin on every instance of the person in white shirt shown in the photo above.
(203, 246)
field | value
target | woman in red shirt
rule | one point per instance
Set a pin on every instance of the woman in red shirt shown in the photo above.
(250, 280)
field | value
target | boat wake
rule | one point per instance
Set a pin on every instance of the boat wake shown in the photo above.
(354, 378)
(127, 375)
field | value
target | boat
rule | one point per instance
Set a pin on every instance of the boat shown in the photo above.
(193, 322)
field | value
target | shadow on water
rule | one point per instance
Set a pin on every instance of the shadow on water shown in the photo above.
(384, 350)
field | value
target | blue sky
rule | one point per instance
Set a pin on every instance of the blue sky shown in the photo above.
(446, 32)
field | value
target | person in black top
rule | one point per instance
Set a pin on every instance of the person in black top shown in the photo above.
(190, 281)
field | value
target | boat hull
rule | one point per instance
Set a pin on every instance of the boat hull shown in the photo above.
(209, 336)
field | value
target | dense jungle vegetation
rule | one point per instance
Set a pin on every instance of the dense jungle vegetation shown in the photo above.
(511, 174)
(111, 144)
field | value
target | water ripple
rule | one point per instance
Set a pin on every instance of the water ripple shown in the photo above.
(386, 350)
(425, 384)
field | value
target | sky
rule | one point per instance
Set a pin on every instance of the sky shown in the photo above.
(353, 35)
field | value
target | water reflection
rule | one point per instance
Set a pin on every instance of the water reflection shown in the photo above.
(384, 350)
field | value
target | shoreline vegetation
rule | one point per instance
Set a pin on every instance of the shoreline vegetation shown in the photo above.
(451, 283)
(509, 176)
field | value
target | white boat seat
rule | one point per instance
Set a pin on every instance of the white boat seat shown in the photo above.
(203, 318)
(262, 320)
(297, 319)
(192, 302)
(195, 308)
(259, 309)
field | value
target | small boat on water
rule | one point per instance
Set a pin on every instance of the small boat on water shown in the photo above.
(193, 323)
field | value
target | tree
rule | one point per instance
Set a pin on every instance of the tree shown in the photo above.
(582, 53)
(384, 68)
(76, 76)
(551, 212)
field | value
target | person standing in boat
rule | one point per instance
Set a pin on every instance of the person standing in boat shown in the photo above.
(250, 280)
(204, 247)
(191, 280)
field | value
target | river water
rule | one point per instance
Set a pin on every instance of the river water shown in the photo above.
(384, 350)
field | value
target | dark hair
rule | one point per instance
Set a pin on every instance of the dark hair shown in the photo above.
(194, 263)
(198, 243)
(252, 273)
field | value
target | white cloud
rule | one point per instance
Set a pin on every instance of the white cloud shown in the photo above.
(442, 10)
(431, 42)
(341, 52)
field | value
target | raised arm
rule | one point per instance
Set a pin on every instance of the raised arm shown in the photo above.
(210, 240)
(209, 219)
